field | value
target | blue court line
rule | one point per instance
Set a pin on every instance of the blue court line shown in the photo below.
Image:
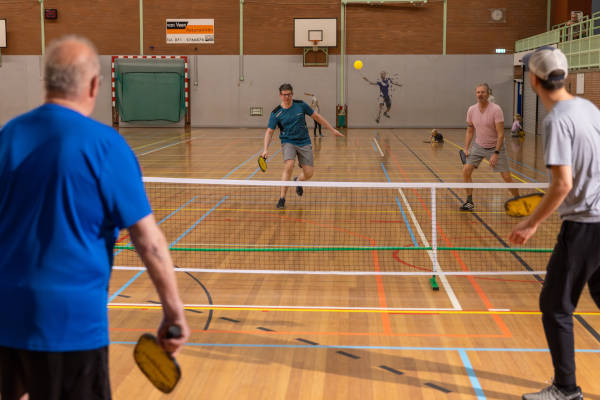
(412, 235)
(521, 175)
(197, 222)
(257, 169)
(395, 348)
(471, 373)
(239, 166)
(526, 166)
(125, 286)
(374, 148)
(163, 220)
(529, 167)
(385, 171)
(137, 275)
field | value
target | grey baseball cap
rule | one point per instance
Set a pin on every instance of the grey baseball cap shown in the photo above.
(546, 60)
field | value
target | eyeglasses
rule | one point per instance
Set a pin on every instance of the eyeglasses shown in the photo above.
(286, 94)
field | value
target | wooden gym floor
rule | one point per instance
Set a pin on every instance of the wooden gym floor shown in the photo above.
(250, 346)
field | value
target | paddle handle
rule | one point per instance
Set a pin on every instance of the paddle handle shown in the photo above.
(173, 332)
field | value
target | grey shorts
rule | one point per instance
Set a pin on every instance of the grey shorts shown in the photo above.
(478, 153)
(304, 153)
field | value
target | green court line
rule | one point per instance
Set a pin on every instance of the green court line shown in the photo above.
(357, 248)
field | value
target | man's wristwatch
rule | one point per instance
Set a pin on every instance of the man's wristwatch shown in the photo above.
(496, 151)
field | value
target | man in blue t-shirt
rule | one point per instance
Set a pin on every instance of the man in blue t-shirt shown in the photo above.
(289, 117)
(68, 184)
(571, 149)
(384, 84)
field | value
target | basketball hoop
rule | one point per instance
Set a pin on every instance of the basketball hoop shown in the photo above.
(315, 36)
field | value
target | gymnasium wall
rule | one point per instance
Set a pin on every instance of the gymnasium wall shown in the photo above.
(113, 25)
(591, 90)
(436, 90)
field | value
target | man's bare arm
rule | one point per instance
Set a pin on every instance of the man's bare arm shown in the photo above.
(319, 118)
(268, 138)
(371, 83)
(500, 132)
(152, 248)
(469, 137)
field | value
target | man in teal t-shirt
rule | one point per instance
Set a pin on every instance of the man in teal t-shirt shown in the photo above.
(289, 117)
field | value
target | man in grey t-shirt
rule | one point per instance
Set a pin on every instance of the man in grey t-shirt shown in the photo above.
(571, 145)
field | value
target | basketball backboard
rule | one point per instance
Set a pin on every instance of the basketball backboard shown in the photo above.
(308, 31)
(2, 33)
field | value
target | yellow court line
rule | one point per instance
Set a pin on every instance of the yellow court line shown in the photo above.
(376, 311)
(512, 175)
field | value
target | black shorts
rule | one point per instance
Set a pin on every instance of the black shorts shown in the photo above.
(385, 100)
(54, 375)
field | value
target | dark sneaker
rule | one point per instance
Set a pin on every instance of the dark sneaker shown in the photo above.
(468, 206)
(299, 189)
(553, 393)
(377, 120)
(281, 203)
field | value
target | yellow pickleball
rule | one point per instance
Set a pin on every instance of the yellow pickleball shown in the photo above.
(358, 64)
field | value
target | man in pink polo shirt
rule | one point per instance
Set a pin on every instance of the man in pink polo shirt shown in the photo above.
(485, 121)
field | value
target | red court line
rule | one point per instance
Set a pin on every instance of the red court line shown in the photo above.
(122, 238)
(395, 256)
(486, 301)
(385, 318)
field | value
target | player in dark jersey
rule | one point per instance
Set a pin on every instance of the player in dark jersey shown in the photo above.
(384, 84)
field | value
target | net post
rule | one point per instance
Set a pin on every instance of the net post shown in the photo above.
(188, 105)
(115, 110)
(432, 281)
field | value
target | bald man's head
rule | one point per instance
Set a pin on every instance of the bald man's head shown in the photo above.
(70, 64)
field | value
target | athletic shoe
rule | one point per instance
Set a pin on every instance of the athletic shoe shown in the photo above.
(553, 393)
(377, 120)
(386, 114)
(299, 189)
(281, 203)
(468, 206)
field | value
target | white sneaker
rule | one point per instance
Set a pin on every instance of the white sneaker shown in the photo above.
(553, 393)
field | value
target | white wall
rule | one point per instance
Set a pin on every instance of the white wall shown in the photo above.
(21, 86)
(436, 91)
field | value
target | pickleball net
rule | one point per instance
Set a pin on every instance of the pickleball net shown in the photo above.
(341, 228)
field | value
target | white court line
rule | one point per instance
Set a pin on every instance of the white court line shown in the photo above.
(378, 147)
(370, 185)
(499, 309)
(245, 306)
(347, 273)
(165, 147)
(436, 265)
